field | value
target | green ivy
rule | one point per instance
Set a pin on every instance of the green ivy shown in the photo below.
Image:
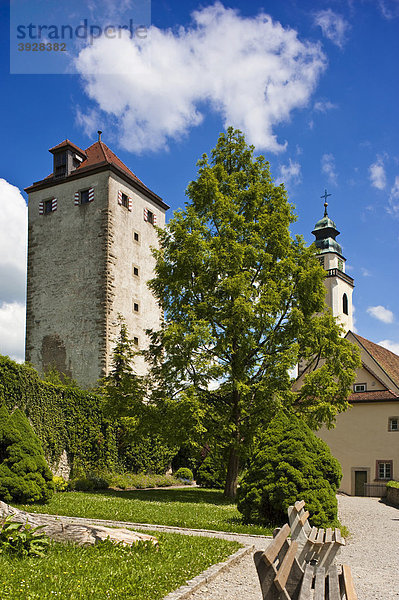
(63, 417)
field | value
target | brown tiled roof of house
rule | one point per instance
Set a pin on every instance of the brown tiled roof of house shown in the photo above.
(387, 360)
(98, 153)
(97, 157)
(66, 143)
(373, 396)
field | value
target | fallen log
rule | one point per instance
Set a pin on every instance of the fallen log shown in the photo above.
(62, 530)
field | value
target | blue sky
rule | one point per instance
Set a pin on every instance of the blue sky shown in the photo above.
(314, 85)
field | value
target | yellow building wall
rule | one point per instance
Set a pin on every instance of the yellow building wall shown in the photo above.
(360, 438)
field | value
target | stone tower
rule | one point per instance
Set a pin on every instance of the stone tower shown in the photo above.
(338, 284)
(91, 229)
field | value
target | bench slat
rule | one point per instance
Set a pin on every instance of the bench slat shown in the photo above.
(333, 584)
(285, 568)
(338, 537)
(320, 584)
(313, 535)
(303, 518)
(348, 583)
(299, 505)
(269, 555)
(329, 535)
(306, 587)
(320, 536)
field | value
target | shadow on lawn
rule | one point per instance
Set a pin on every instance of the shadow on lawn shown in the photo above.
(193, 495)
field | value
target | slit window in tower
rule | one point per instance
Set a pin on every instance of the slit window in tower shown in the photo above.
(345, 304)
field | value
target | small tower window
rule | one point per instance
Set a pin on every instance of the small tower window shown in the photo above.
(48, 206)
(60, 164)
(136, 237)
(84, 196)
(345, 304)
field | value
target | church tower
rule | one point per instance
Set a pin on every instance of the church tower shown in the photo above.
(338, 284)
(91, 229)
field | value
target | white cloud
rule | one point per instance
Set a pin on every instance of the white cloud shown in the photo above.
(393, 207)
(253, 72)
(323, 106)
(12, 330)
(13, 236)
(389, 8)
(328, 167)
(333, 26)
(365, 272)
(377, 174)
(381, 313)
(290, 174)
(390, 345)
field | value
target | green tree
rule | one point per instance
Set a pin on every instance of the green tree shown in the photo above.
(290, 463)
(243, 302)
(24, 473)
(122, 389)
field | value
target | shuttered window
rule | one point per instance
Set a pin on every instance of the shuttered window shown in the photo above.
(84, 196)
(47, 206)
(124, 200)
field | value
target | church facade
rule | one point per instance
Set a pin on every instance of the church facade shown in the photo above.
(91, 226)
(366, 437)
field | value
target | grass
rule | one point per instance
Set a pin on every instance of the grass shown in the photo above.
(187, 507)
(108, 572)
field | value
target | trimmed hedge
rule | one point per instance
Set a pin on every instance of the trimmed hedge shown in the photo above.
(24, 473)
(64, 418)
(290, 463)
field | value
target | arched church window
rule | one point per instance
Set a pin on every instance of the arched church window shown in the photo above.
(345, 304)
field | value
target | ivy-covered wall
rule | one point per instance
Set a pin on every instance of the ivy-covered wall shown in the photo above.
(64, 418)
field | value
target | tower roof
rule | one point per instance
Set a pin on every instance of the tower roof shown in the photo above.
(325, 232)
(97, 157)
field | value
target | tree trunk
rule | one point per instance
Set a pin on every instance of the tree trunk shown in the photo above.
(62, 529)
(230, 488)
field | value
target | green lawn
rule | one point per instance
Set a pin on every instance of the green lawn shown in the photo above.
(111, 573)
(188, 507)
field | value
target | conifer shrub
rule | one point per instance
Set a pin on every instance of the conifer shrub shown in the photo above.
(211, 473)
(24, 473)
(289, 463)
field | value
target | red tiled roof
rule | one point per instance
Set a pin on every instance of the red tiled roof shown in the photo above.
(98, 153)
(66, 143)
(97, 156)
(387, 360)
(372, 396)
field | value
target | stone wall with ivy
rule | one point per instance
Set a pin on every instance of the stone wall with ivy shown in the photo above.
(68, 420)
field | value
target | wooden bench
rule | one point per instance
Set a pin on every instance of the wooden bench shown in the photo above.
(317, 546)
(282, 578)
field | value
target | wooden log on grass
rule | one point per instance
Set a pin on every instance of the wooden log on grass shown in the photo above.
(61, 530)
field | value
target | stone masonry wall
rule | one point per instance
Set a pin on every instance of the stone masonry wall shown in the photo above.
(66, 294)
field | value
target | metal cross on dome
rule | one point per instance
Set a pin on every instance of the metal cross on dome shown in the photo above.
(325, 196)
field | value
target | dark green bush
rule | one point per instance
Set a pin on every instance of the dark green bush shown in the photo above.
(24, 473)
(289, 463)
(184, 473)
(212, 472)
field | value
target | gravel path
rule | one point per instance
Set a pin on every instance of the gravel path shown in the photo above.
(372, 552)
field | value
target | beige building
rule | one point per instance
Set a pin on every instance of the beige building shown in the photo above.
(91, 229)
(366, 437)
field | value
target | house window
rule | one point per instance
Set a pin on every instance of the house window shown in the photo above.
(136, 307)
(393, 424)
(150, 217)
(384, 469)
(125, 200)
(345, 304)
(136, 237)
(135, 271)
(60, 161)
(48, 206)
(84, 196)
(360, 387)
(321, 260)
